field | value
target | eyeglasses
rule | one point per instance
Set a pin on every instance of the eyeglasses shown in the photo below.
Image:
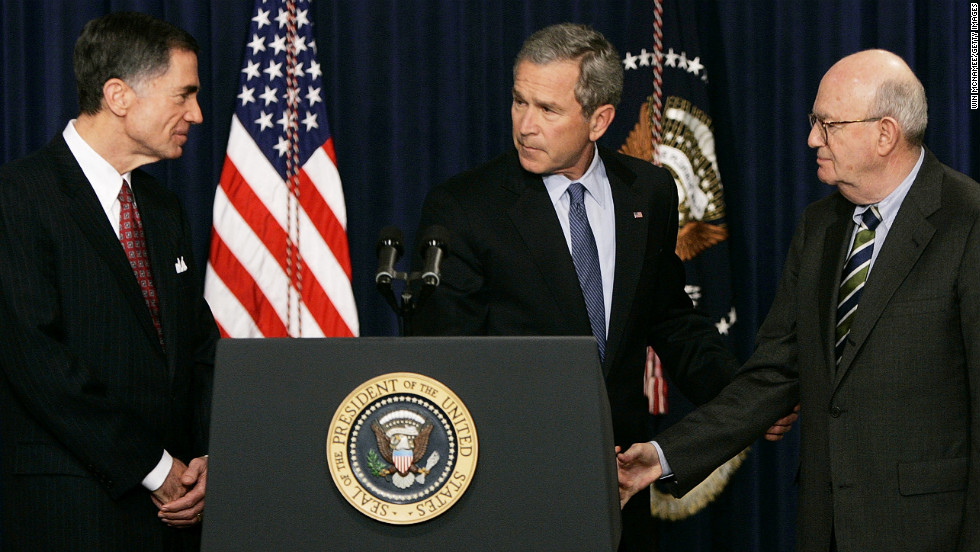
(826, 124)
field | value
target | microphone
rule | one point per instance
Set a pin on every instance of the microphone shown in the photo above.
(389, 250)
(433, 247)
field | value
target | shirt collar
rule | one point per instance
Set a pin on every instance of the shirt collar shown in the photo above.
(101, 175)
(888, 207)
(591, 180)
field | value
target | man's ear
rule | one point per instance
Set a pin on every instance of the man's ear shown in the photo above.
(117, 96)
(600, 120)
(889, 136)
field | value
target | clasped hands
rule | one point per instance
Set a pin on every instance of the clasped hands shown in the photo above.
(181, 497)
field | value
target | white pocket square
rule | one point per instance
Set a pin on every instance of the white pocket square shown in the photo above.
(180, 265)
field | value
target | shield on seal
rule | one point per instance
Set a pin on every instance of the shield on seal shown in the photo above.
(402, 460)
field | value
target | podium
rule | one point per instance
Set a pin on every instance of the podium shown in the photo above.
(545, 478)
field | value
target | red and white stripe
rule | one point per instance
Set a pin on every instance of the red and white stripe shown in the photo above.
(247, 282)
(655, 384)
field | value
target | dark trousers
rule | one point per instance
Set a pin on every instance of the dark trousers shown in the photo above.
(640, 529)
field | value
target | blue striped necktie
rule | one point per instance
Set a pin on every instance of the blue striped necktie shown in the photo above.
(585, 255)
(854, 276)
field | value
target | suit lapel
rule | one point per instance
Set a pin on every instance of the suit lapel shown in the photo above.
(88, 214)
(631, 236)
(838, 229)
(907, 239)
(537, 223)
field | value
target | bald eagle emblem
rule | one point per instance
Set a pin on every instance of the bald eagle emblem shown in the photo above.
(402, 437)
(402, 448)
(687, 150)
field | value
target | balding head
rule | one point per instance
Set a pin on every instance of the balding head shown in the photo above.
(881, 84)
(870, 117)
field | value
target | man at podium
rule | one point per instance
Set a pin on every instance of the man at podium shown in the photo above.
(559, 236)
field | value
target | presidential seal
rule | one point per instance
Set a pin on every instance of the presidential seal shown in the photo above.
(402, 448)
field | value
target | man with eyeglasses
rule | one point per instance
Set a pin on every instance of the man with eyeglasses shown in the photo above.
(875, 330)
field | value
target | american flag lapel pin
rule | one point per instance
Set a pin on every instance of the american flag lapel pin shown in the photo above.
(637, 214)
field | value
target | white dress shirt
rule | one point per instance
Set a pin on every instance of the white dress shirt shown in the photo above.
(602, 219)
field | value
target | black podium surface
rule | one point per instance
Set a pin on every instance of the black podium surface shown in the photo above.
(545, 478)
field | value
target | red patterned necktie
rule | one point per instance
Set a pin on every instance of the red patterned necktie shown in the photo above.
(134, 244)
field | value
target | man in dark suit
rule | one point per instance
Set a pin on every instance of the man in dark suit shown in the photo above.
(107, 343)
(883, 354)
(516, 264)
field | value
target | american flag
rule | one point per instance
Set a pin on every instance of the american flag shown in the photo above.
(279, 263)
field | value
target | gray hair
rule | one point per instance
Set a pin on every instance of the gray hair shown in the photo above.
(905, 100)
(600, 79)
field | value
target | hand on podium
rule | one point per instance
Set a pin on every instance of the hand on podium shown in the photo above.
(637, 468)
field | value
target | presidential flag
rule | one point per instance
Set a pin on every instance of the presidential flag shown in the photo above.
(665, 99)
(279, 264)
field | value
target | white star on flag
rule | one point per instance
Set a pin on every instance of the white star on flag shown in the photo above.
(694, 65)
(314, 70)
(269, 95)
(251, 70)
(247, 95)
(282, 17)
(286, 120)
(273, 70)
(282, 147)
(264, 121)
(278, 44)
(629, 62)
(301, 18)
(300, 45)
(313, 96)
(279, 264)
(261, 18)
(257, 45)
(310, 121)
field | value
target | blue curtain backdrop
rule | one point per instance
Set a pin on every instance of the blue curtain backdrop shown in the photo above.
(418, 90)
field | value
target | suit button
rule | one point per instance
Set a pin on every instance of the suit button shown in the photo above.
(835, 412)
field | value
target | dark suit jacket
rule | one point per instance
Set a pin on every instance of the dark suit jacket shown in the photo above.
(509, 272)
(89, 399)
(890, 439)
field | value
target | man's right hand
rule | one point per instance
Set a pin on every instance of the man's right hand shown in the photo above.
(637, 468)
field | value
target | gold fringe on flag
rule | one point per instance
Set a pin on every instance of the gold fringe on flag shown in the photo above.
(665, 506)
